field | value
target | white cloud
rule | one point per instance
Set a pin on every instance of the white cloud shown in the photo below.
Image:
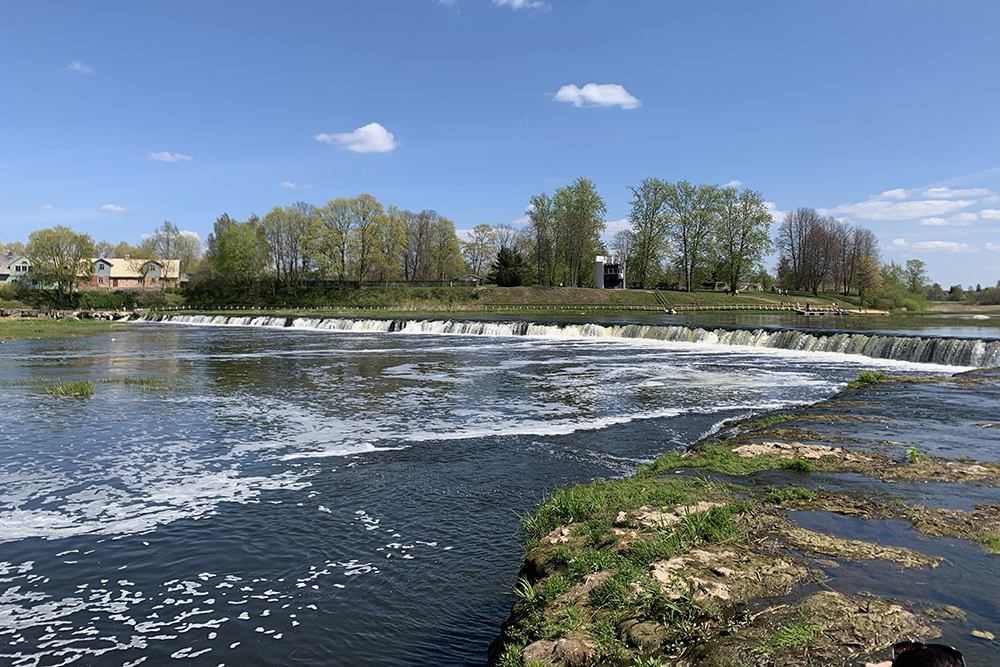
(446, 3)
(372, 138)
(523, 4)
(77, 66)
(44, 207)
(933, 246)
(523, 220)
(898, 193)
(957, 220)
(598, 95)
(875, 209)
(733, 184)
(963, 219)
(948, 193)
(118, 210)
(614, 226)
(993, 246)
(293, 186)
(990, 214)
(167, 156)
(776, 215)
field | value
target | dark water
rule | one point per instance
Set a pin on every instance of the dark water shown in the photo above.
(294, 497)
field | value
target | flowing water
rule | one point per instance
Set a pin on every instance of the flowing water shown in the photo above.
(343, 492)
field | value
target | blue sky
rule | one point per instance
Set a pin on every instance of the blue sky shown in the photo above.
(116, 116)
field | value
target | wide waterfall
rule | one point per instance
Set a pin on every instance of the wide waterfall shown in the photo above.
(919, 349)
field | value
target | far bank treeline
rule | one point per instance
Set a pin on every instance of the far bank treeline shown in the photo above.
(702, 233)
(682, 236)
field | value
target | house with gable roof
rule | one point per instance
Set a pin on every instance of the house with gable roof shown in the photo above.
(119, 272)
(15, 268)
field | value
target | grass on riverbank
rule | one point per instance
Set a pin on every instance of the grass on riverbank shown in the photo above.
(24, 327)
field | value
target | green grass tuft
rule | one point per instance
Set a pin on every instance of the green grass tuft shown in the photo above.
(992, 544)
(796, 465)
(602, 500)
(80, 388)
(865, 379)
(795, 635)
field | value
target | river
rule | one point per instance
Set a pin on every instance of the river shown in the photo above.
(301, 492)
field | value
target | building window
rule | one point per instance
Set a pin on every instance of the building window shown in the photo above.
(152, 281)
(100, 280)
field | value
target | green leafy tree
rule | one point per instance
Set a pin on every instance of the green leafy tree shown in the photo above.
(446, 251)
(915, 275)
(868, 278)
(956, 293)
(542, 230)
(894, 275)
(692, 217)
(389, 244)
(480, 247)
(650, 222)
(366, 213)
(331, 244)
(237, 251)
(579, 213)
(286, 231)
(936, 293)
(743, 232)
(60, 257)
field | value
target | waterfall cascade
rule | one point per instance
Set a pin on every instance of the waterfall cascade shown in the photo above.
(920, 349)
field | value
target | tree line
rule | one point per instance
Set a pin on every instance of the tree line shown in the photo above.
(346, 241)
(699, 233)
(682, 234)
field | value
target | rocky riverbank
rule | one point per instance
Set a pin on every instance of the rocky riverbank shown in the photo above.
(814, 536)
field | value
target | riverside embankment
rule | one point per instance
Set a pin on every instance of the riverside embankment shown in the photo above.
(814, 536)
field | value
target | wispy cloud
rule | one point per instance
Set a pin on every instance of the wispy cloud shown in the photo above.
(933, 246)
(993, 246)
(948, 193)
(295, 186)
(897, 193)
(880, 209)
(77, 66)
(446, 3)
(167, 156)
(523, 4)
(732, 184)
(598, 95)
(44, 207)
(957, 220)
(990, 214)
(115, 210)
(372, 138)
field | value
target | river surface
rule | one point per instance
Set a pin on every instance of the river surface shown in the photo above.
(294, 496)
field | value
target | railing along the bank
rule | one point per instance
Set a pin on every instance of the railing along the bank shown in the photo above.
(486, 307)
